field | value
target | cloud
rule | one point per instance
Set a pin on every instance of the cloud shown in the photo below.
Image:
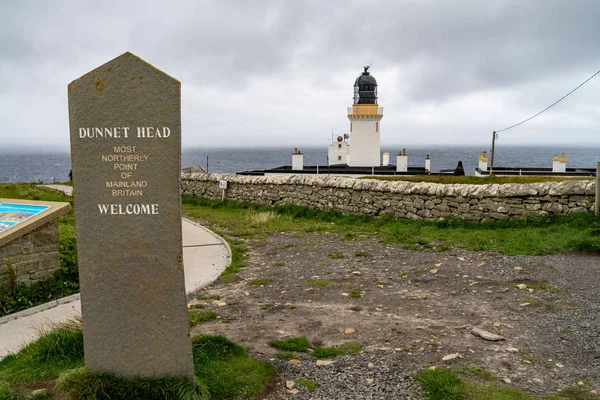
(280, 73)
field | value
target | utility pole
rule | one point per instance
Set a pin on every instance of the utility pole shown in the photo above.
(494, 135)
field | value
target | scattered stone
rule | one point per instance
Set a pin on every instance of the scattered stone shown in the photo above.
(221, 304)
(432, 368)
(290, 384)
(39, 392)
(486, 335)
(524, 304)
(433, 271)
(438, 264)
(324, 363)
(522, 286)
(345, 294)
(370, 380)
(559, 365)
(355, 272)
(512, 349)
(349, 331)
(449, 357)
(506, 380)
(293, 391)
(294, 361)
(420, 327)
(370, 365)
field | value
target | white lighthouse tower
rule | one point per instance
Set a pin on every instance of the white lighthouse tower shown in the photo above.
(365, 115)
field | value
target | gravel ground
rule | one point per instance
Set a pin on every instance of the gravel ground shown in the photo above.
(416, 306)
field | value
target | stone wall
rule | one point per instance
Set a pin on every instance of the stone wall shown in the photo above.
(415, 200)
(35, 255)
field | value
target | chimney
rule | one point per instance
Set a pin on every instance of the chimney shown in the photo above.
(386, 159)
(297, 160)
(402, 161)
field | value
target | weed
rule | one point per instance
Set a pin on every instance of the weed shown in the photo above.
(285, 355)
(318, 283)
(215, 297)
(361, 254)
(307, 383)
(473, 370)
(407, 348)
(291, 307)
(266, 306)
(299, 344)
(355, 294)
(344, 349)
(198, 306)
(336, 256)
(198, 317)
(278, 264)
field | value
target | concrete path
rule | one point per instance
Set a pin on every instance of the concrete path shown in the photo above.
(205, 256)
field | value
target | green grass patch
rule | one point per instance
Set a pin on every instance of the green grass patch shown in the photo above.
(361, 254)
(443, 384)
(355, 294)
(307, 383)
(226, 370)
(344, 349)
(199, 306)
(318, 283)
(530, 236)
(81, 385)
(473, 371)
(299, 344)
(198, 317)
(336, 256)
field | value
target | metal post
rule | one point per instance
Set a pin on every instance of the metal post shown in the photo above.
(597, 203)
(207, 163)
(493, 145)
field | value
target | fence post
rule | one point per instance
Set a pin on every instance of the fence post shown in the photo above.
(597, 203)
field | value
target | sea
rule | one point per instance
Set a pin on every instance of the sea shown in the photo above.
(54, 166)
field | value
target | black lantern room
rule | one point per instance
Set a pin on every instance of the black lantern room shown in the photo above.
(365, 88)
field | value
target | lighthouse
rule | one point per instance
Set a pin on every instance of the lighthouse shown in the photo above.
(365, 116)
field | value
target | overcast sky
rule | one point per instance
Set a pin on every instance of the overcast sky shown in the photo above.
(280, 73)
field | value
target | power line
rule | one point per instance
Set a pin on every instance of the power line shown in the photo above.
(551, 105)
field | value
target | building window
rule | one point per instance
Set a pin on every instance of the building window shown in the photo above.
(339, 158)
(376, 126)
(339, 145)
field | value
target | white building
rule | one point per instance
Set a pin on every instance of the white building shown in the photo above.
(364, 149)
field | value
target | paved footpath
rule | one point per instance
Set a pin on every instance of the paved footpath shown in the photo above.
(205, 256)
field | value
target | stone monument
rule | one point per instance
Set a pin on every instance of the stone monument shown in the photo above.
(125, 126)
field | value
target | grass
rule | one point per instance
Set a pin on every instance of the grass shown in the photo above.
(223, 370)
(361, 254)
(317, 283)
(444, 384)
(198, 317)
(298, 344)
(530, 236)
(344, 349)
(355, 294)
(307, 383)
(65, 281)
(336, 256)
(473, 180)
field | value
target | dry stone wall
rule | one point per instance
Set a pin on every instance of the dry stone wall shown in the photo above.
(33, 257)
(414, 200)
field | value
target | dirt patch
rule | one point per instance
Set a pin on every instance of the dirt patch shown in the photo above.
(412, 308)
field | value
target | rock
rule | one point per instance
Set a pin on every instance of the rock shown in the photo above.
(449, 357)
(512, 349)
(294, 361)
(293, 391)
(559, 365)
(221, 304)
(486, 335)
(433, 271)
(432, 368)
(345, 294)
(522, 286)
(349, 331)
(370, 380)
(324, 363)
(355, 272)
(370, 365)
(290, 384)
(39, 392)
(506, 380)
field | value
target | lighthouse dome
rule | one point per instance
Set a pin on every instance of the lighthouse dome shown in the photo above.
(365, 88)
